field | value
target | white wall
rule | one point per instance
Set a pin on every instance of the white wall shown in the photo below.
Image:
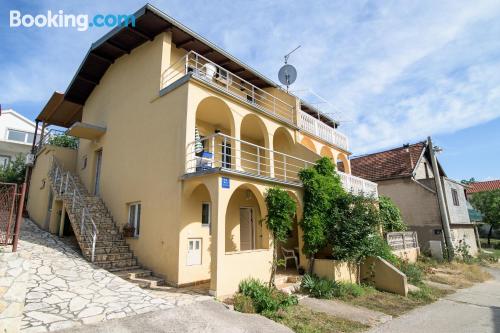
(460, 213)
(12, 120)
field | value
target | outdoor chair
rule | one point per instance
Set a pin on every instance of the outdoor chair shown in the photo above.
(290, 254)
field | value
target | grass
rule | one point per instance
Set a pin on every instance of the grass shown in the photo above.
(303, 320)
(495, 246)
(458, 275)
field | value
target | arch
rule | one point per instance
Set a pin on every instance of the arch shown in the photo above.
(246, 203)
(254, 132)
(282, 143)
(308, 144)
(327, 152)
(213, 114)
(343, 163)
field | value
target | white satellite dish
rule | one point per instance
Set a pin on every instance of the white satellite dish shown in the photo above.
(287, 75)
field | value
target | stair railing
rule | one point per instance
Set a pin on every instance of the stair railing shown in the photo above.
(64, 183)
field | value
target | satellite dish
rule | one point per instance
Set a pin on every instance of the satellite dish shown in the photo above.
(287, 74)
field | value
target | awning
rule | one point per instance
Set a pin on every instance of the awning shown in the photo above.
(86, 131)
(60, 112)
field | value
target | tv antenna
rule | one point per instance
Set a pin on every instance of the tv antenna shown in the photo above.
(287, 73)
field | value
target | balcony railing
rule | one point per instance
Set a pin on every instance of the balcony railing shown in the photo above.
(223, 152)
(227, 82)
(46, 139)
(321, 130)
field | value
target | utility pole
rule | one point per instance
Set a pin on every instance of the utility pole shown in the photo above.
(441, 200)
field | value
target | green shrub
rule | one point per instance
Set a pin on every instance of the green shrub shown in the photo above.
(318, 287)
(64, 140)
(243, 303)
(487, 257)
(390, 215)
(412, 272)
(351, 290)
(265, 300)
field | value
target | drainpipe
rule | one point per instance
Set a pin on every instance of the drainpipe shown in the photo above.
(441, 200)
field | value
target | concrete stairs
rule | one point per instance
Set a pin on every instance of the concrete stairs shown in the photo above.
(289, 284)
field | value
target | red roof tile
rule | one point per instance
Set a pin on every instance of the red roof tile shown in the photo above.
(489, 185)
(394, 163)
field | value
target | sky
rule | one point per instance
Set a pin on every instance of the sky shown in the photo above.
(392, 72)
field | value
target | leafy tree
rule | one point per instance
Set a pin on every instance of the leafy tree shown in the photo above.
(468, 182)
(353, 228)
(64, 140)
(280, 211)
(15, 171)
(488, 203)
(321, 186)
(390, 215)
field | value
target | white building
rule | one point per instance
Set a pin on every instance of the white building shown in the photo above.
(16, 135)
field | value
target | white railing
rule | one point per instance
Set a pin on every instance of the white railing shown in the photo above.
(65, 184)
(321, 130)
(226, 152)
(402, 240)
(223, 80)
(358, 186)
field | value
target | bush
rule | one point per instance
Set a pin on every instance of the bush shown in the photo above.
(265, 300)
(243, 304)
(324, 288)
(412, 272)
(390, 215)
(347, 289)
(64, 140)
(15, 171)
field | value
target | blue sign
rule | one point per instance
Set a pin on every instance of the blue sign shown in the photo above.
(225, 182)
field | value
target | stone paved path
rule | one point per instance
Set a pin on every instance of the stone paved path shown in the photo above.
(65, 290)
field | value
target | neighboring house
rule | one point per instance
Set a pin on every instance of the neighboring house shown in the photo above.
(405, 174)
(16, 136)
(478, 187)
(179, 141)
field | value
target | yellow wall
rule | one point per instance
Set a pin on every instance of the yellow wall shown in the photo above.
(38, 196)
(409, 255)
(335, 270)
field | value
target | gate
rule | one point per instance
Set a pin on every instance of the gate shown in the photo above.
(11, 210)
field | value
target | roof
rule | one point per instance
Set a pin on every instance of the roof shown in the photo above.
(394, 163)
(149, 22)
(18, 115)
(485, 186)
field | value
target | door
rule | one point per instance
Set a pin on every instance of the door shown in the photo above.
(194, 252)
(226, 155)
(97, 171)
(247, 229)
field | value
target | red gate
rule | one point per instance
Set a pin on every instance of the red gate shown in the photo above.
(11, 210)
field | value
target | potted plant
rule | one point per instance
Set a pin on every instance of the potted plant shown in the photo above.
(128, 230)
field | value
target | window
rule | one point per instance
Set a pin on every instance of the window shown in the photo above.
(20, 136)
(134, 217)
(454, 195)
(426, 170)
(205, 214)
(84, 162)
(4, 161)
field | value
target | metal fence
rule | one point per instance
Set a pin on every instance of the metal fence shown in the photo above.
(402, 240)
(11, 210)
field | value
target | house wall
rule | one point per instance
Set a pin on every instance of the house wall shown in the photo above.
(464, 233)
(424, 169)
(10, 120)
(458, 214)
(418, 205)
(39, 188)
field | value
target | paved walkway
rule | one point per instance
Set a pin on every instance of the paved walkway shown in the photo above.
(65, 290)
(475, 309)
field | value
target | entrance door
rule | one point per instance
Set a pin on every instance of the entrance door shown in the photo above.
(97, 171)
(194, 252)
(247, 229)
(226, 155)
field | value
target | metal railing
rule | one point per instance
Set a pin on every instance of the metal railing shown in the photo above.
(46, 139)
(358, 186)
(223, 80)
(321, 130)
(229, 153)
(402, 240)
(65, 184)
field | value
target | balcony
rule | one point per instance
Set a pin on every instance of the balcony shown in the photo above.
(226, 153)
(49, 138)
(223, 80)
(319, 129)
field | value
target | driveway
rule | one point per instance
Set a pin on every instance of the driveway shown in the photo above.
(475, 309)
(64, 290)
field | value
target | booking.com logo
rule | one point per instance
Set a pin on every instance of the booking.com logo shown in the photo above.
(81, 22)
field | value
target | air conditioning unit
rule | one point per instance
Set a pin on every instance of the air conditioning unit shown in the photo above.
(30, 160)
(208, 71)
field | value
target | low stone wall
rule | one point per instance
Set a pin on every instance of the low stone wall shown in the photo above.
(336, 270)
(409, 255)
(14, 275)
(384, 276)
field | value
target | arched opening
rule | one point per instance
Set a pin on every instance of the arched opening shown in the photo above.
(214, 121)
(254, 137)
(308, 144)
(283, 143)
(327, 152)
(245, 210)
(342, 163)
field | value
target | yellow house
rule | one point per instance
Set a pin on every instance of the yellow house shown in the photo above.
(180, 140)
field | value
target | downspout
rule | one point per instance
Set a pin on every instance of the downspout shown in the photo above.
(441, 200)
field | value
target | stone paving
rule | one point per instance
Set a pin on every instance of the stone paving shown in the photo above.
(65, 290)
(14, 275)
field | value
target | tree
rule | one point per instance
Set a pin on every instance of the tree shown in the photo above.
(280, 211)
(468, 182)
(488, 203)
(15, 171)
(390, 215)
(321, 186)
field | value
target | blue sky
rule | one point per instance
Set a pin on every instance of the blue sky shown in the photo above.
(392, 71)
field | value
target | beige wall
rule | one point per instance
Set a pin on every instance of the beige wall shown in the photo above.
(384, 276)
(409, 255)
(336, 270)
(465, 234)
(38, 196)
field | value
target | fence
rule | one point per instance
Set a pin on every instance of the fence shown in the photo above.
(402, 240)
(11, 211)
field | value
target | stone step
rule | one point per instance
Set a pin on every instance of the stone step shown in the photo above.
(108, 250)
(133, 273)
(119, 269)
(143, 278)
(112, 256)
(113, 264)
